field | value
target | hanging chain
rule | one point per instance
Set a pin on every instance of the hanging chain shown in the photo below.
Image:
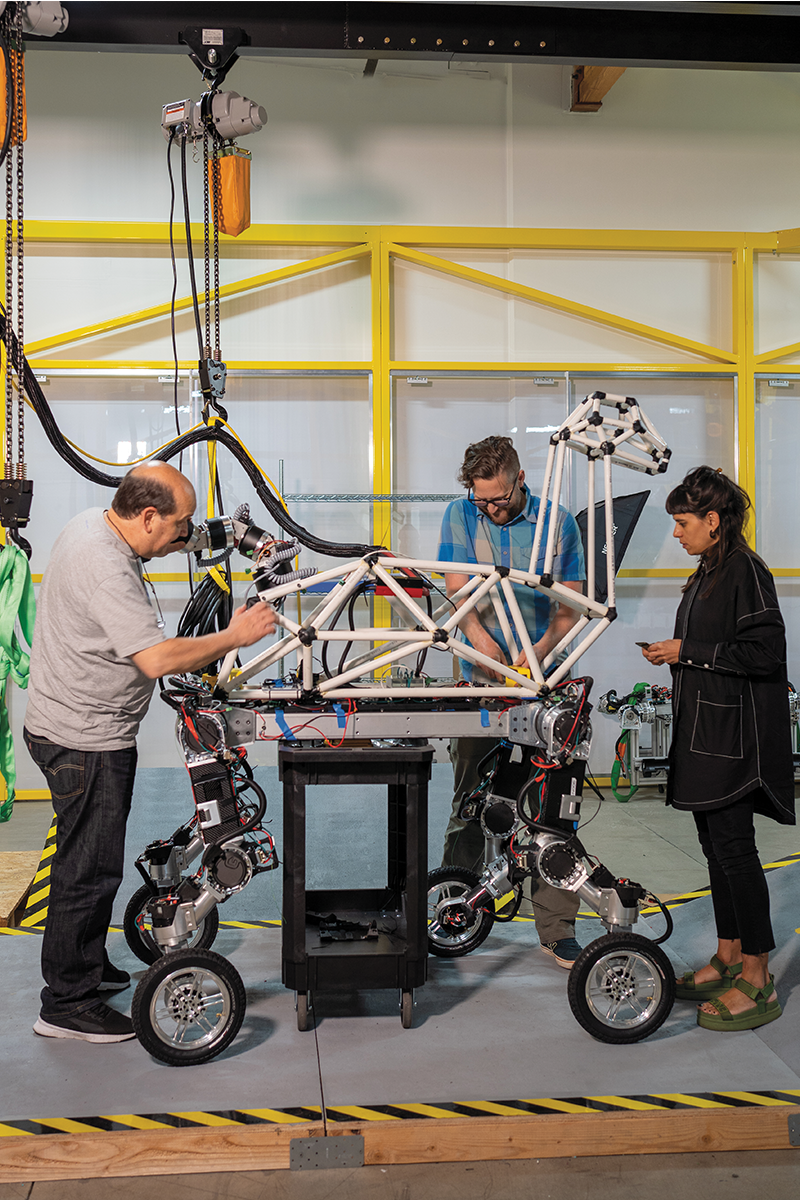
(19, 108)
(207, 279)
(8, 305)
(14, 192)
(217, 185)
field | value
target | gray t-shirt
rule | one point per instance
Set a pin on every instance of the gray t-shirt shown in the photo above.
(93, 613)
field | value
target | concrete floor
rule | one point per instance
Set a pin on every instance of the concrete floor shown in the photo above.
(506, 1002)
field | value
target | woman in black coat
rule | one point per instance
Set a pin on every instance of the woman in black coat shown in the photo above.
(731, 750)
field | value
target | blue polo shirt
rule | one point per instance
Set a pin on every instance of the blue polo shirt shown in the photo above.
(470, 536)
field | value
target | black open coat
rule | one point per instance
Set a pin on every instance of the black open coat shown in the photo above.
(732, 731)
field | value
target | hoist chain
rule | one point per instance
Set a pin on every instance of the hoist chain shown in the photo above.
(12, 30)
(206, 246)
(19, 109)
(215, 173)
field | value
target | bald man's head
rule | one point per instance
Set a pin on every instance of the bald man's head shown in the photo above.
(152, 485)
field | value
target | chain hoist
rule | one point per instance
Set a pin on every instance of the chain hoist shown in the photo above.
(16, 490)
(214, 120)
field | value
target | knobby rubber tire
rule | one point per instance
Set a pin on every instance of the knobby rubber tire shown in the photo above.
(188, 1007)
(442, 942)
(140, 939)
(621, 988)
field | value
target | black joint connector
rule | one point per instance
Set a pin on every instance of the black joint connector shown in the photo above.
(553, 439)
(546, 581)
(440, 636)
(612, 614)
(597, 396)
(503, 572)
(372, 557)
(667, 452)
(632, 401)
(608, 447)
(639, 427)
(307, 635)
(564, 435)
(662, 467)
(622, 405)
(595, 419)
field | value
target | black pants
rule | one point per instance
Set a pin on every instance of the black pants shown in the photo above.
(91, 793)
(738, 885)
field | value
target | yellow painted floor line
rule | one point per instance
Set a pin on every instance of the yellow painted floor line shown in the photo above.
(692, 1101)
(43, 874)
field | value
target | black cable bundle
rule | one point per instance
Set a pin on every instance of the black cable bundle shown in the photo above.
(206, 434)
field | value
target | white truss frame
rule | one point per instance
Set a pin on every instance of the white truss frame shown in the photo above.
(627, 438)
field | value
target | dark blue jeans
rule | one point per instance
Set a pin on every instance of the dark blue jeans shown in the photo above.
(739, 890)
(91, 793)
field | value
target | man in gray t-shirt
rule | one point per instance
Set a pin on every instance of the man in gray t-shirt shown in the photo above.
(97, 651)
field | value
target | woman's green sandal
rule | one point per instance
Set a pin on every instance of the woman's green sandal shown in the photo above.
(687, 989)
(724, 1021)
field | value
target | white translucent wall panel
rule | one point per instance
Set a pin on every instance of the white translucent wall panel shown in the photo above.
(439, 319)
(316, 317)
(434, 424)
(320, 428)
(426, 143)
(777, 484)
(686, 294)
(117, 418)
(646, 609)
(789, 599)
(776, 320)
(696, 418)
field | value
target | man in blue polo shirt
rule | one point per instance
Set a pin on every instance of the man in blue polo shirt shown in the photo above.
(496, 523)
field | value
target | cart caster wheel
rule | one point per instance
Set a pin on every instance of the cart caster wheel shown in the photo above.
(406, 1009)
(621, 988)
(139, 930)
(305, 1011)
(189, 1007)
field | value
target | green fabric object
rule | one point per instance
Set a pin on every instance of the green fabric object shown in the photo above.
(17, 602)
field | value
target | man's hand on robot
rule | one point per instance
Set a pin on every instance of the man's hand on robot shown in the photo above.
(252, 622)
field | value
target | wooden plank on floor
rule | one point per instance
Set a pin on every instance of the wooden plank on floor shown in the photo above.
(146, 1152)
(17, 869)
(267, 1147)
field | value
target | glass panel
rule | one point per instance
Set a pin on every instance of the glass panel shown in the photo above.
(435, 422)
(696, 418)
(777, 483)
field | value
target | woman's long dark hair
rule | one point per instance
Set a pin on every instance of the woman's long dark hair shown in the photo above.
(705, 490)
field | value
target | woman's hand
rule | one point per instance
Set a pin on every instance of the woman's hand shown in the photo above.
(662, 654)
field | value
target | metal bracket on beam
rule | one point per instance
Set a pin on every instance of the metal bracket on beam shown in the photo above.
(321, 1153)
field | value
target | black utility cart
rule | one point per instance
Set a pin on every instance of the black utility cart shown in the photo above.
(357, 938)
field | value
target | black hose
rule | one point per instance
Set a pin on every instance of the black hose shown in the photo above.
(206, 434)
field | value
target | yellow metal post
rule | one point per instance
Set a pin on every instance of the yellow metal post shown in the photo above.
(743, 344)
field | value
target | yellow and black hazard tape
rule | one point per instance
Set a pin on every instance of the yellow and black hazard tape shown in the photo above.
(35, 914)
(577, 1105)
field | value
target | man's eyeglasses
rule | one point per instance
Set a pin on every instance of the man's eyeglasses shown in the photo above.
(500, 502)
